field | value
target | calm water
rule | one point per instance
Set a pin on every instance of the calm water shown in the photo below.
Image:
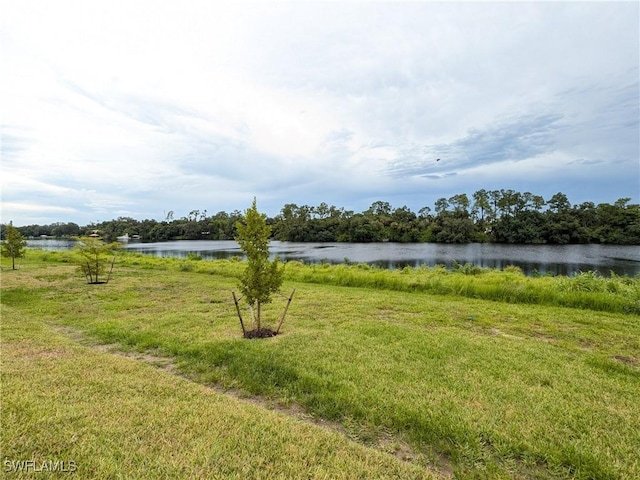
(555, 259)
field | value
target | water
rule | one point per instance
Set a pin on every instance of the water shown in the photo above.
(542, 259)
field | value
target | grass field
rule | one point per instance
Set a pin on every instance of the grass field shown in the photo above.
(376, 375)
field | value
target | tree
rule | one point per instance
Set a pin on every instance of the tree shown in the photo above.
(507, 202)
(481, 199)
(559, 203)
(61, 229)
(262, 277)
(494, 198)
(405, 226)
(460, 204)
(618, 223)
(442, 204)
(451, 228)
(13, 245)
(94, 257)
(379, 208)
(292, 224)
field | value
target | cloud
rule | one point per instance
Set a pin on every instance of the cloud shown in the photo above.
(13, 140)
(582, 161)
(514, 139)
(600, 122)
(138, 108)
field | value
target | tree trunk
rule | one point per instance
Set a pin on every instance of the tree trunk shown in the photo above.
(253, 315)
(259, 313)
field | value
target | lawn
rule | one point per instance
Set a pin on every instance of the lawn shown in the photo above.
(371, 380)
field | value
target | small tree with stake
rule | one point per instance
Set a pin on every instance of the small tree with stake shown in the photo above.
(95, 257)
(261, 278)
(13, 246)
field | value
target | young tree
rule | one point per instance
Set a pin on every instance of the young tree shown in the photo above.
(14, 244)
(262, 277)
(94, 257)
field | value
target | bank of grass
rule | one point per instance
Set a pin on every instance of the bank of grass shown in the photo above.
(487, 389)
(588, 290)
(585, 290)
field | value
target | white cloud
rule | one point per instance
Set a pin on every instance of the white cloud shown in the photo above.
(133, 108)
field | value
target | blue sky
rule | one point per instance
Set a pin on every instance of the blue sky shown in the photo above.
(136, 108)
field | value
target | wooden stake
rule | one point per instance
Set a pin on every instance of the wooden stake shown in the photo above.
(285, 311)
(111, 270)
(235, 300)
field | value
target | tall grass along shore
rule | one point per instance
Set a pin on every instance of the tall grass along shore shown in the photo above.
(412, 373)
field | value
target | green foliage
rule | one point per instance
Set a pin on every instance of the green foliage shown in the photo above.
(262, 277)
(13, 245)
(186, 267)
(260, 280)
(95, 257)
(466, 269)
(501, 216)
(57, 229)
(589, 291)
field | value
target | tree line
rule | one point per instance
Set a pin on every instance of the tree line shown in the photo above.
(499, 216)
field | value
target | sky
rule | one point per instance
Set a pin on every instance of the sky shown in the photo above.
(136, 108)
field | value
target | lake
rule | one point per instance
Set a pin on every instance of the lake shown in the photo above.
(532, 259)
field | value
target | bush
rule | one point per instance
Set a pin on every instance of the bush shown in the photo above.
(94, 257)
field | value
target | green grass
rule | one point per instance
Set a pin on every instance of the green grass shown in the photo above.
(482, 388)
(114, 417)
(586, 290)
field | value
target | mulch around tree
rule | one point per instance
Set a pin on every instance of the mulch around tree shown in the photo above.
(260, 333)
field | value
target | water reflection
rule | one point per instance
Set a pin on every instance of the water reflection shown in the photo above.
(532, 259)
